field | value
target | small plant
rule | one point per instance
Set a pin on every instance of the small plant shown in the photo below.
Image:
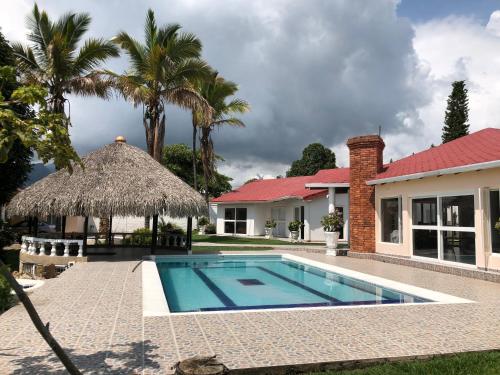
(332, 222)
(203, 221)
(140, 237)
(497, 225)
(210, 229)
(170, 228)
(270, 223)
(294, 226)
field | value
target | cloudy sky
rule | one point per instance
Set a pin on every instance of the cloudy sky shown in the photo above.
(312, 70)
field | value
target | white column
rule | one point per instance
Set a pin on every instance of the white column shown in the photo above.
(80, 249)
(331, 200)
(31, 248)
(24, 246)
(66, 249)
(53, 249)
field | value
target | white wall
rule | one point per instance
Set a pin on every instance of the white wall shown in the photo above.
(121, 224)
(318, 208)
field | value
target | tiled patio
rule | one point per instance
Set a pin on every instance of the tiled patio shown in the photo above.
(95, 310)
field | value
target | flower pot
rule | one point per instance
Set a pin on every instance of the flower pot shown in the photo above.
(294, 235)
(201, 230)
(332, 240)
(269, 232)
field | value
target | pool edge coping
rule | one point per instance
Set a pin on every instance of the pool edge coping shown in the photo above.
(155, 303)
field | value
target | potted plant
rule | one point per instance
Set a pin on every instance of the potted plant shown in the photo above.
(268, 228)
(332, 224)
(202, 225)
(294, 227)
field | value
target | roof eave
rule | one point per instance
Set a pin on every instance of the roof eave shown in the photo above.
(324, 185)
(437, 172)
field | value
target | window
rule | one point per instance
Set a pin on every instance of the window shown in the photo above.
(494, 216)
(391, 220)
(446, 233)
(235, 220)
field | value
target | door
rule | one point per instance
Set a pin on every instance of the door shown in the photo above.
(298, 214)
(279, 216)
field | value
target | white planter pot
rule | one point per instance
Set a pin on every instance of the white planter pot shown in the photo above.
(269, 232)
(332, 240)
(294, 235)
(201, 230)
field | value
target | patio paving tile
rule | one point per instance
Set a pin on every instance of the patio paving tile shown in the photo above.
(95, 311)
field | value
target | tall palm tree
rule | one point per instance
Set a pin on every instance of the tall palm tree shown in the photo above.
(160, 73)
(216, 91)
(53, 60)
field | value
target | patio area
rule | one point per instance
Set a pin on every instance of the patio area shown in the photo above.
(95, 311)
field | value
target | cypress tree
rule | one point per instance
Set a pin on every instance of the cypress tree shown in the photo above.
(456, 119)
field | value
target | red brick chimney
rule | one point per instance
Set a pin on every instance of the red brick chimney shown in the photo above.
(366, 160)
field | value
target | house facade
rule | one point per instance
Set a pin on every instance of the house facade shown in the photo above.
(439, 205)
(307, 199)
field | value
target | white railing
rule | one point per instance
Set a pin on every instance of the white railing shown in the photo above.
(35, 245)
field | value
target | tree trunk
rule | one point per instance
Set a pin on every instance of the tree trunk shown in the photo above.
(159, 138)
(195, 131)
(35, 318)
(206, 158)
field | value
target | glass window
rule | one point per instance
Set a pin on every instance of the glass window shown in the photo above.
(229, 227)
(425, 243)
(390, 220)
(241, 227)
(459, 246)
(241, 214)
(229, 214)
(458, 211)
(424, 211)
(494, 217)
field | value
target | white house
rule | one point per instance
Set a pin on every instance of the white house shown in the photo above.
(245, 210)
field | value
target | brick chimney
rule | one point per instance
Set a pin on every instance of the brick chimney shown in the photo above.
(366, 160)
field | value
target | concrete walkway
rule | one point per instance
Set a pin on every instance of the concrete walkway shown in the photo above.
(95, 310)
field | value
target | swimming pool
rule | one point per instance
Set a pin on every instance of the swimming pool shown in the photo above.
(236, 282)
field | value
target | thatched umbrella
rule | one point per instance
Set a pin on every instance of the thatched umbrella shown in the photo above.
(118, 179)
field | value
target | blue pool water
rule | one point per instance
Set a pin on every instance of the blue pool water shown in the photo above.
(211, 283)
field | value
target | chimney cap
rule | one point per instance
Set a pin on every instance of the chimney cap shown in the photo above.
(120, 139)
(366, 141)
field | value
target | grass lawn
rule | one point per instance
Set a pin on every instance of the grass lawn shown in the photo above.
(485, 363)
(216, 249)
(244, 240)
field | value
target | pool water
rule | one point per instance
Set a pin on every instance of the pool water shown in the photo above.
(214, 283)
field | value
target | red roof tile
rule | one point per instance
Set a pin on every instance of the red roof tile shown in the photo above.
(479, 147)
(282, 188)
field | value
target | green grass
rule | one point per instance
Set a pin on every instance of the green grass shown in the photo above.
(244, 240)
(484, 363)
(206, 249)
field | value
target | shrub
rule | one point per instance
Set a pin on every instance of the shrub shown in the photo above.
(294, 226)
(171, 228)
(6, 299)
(210, 229)
(332, 222)
(7, 235)
(140, 237)
(202, 221)
(270, 223)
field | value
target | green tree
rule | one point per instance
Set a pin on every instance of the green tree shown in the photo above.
(15, 170)
(161, 73)
(216, 91)
(178, 159)
(314, 157)
(44, 133)
(456, 118)
(54, 61)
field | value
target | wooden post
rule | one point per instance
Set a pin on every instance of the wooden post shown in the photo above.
(154, 234)
(110, 232)
(189, 238)
(85, 232)
(63, 227)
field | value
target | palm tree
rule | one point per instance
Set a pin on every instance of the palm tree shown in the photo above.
(54, 61)
(216, 90)
(160, 73)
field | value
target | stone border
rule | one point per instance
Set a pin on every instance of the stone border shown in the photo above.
(154, 302)
(443, 268)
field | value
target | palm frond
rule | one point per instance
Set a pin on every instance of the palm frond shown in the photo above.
(92, 53)
(150, 29)
(187, 98)
(93, 84)
(233, 121)
(133, 48)
(183, 46)
(73, 26)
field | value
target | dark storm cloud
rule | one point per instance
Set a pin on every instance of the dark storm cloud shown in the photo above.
(311, 70)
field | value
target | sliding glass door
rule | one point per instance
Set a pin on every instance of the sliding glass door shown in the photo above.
(443, 228)
(494, 218)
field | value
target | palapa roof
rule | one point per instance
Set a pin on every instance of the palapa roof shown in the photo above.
(118, 179)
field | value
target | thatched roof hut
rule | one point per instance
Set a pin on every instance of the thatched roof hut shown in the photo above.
(119, 180)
